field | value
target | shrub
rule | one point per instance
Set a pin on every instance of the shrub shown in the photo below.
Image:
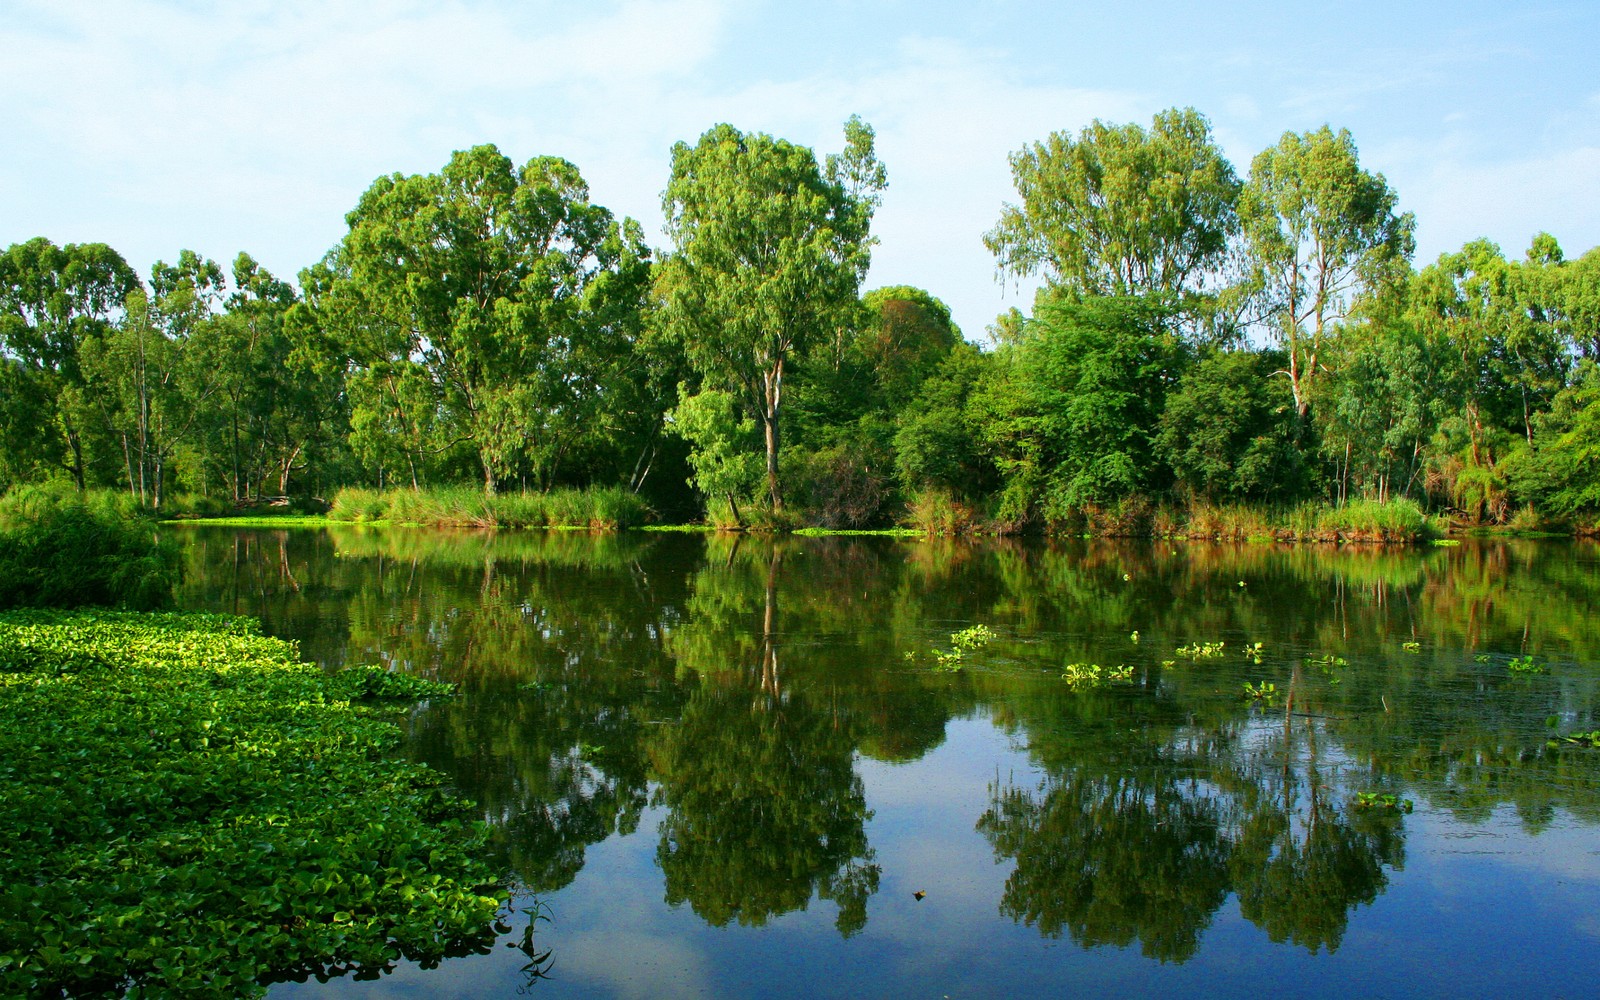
(354, 503)
(59, 553)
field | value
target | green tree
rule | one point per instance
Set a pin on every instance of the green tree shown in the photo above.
(937, 444)
(1072, 416)
(721, 454)
(1121, 210)
(769, 249)
(1227, 430)
(1320, 231)
(479, 293)
(52, 301)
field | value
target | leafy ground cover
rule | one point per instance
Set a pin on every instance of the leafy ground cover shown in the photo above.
(187, 809)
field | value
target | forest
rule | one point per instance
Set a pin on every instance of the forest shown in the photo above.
(1210, 351)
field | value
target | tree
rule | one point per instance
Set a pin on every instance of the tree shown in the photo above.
(147, 383)
(52, 300)
(1320, 230)
(489, 285)
(769, 249)
(1224, 433)
(1121, 210)
(1072, 417)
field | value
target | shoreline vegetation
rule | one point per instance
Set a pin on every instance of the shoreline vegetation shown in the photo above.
(188, 808)
(1396, 521)
(1401, 521)
(1215, 350)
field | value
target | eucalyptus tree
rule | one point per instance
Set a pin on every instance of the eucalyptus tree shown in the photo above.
(149, 385)
(1320, 231)
(52, 301)
(769, 250)
(1122, 210)
(480, 292)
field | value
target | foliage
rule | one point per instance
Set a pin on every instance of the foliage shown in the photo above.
(596, 507)
(769, 249)
(188, 809)
(1320, 230)
(56, 551)
(1121, 210)
(967, 640)
(1071, 419)
(1228, 433)
(1089, 675)
(489, 301)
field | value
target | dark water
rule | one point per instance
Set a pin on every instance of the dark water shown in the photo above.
(728, 768)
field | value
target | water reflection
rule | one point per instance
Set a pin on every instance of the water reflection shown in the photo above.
(729, 688)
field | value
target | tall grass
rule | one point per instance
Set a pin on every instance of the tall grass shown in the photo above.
(938, 514)
(604, 507)
(62, 550)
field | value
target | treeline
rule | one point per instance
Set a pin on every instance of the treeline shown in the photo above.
(1203, 343)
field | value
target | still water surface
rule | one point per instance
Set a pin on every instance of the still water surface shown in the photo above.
(720, 767)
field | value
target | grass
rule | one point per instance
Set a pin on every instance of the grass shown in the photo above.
(57, 550)
(187, 809)
(605, 508)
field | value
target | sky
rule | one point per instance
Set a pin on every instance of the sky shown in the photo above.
(255, 126)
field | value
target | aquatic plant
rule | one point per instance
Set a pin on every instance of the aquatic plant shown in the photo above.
(1589, 740)
(1084, 675)
(961, 643)
(1528, 664)
(1263, 691)
(1411, 647)
(1382, 802)
(1202, 650)
(187, 809)
(1255, 651)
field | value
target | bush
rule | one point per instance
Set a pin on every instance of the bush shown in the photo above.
(59, 552)
(354, 503)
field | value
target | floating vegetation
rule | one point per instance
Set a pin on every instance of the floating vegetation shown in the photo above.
(1084, 675)
(1411, 647)
(1328, 665)
(1589, 740)
(1264, 691)
(961, 643)
(187, 809)
(1382, 802)
(1525, 665)
(1134, 636)
(1201, 650)
(1481, 658)
(1254, 651)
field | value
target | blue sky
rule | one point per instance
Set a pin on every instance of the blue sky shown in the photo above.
(158, 126)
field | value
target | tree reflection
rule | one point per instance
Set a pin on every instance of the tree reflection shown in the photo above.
(758, 774)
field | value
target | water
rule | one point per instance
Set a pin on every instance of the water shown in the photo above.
(722, 767)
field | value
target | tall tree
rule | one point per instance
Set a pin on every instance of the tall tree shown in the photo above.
(487, 283)
(770, 248)
(52, 300)
(1320, 230)
(1121, 210)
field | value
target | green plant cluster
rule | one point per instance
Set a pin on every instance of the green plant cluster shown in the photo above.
(188, 810)
(460, 506)
(57, 550)
(1528, 664)
(1088, 675)
(961, 643)
(1382, 802)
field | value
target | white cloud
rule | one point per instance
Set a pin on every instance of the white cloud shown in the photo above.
(1509, 201)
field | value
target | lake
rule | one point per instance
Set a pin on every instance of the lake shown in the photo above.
(721, 766)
